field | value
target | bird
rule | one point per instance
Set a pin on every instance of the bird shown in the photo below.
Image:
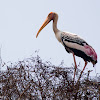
(72, 43)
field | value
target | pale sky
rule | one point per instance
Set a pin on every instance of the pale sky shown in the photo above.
(21, 19)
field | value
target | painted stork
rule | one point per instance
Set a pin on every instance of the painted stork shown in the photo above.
(72, 43)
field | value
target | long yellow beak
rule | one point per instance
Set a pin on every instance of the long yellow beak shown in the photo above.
(43, 25)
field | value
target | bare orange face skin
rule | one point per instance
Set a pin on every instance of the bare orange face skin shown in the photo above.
(48, 19)
(51, 15)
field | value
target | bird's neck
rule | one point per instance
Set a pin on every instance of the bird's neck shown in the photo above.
(55, 29)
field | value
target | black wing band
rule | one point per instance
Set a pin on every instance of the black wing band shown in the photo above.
(74, 39)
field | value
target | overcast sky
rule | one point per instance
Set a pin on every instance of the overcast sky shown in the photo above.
(21, 19)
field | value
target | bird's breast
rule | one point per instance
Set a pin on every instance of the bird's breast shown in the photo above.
(58, 36)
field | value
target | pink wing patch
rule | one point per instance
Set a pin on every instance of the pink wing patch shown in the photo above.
(90, 52)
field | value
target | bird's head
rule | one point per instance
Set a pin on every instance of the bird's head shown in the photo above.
(51, 16)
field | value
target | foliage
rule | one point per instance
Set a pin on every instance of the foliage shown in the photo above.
(32, 79)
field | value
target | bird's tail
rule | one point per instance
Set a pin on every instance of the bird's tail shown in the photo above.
(94, 62)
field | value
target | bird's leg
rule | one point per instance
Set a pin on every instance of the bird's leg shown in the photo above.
(82, 72)
(75, 66)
